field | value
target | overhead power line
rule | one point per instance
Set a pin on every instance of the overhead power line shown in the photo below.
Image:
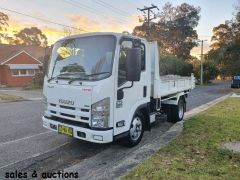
(113, 9)
(90, 10)
(44, 20)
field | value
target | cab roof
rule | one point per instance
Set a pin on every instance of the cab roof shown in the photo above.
(117, 35)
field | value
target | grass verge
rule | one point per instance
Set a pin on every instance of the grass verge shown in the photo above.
(9, 98)
(197, 153)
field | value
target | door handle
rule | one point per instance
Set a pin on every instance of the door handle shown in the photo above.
(144, 91)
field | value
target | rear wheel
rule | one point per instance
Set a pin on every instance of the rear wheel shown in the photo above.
(175, 113)
(136, 131)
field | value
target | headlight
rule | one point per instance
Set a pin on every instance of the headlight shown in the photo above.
(100, 113)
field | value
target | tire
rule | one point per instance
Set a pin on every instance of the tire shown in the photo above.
(136, 131)
(175, 113)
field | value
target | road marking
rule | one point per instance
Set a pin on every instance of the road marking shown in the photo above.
(35, 155)
(25, 138)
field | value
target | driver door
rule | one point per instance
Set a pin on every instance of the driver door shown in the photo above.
(133, 95)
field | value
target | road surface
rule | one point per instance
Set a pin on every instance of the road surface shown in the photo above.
(25, 145)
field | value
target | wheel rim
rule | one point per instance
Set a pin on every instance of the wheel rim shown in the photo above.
(180, 110)
(136, 129)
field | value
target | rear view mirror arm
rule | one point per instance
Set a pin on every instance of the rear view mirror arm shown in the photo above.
(127, 87)
(120, 93)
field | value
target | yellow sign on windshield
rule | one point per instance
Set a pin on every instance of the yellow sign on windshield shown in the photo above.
(66, 52)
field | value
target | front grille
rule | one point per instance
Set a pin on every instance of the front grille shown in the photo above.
(54, 112)
(67, 107)
(74, 123)
(85, 118)
(85, 110)
(70, 113)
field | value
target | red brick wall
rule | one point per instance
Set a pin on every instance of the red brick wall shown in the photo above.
(6, 77)
(13, 81)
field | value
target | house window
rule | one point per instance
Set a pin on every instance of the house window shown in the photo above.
(31, 72)
(15, 72)
(24, 72)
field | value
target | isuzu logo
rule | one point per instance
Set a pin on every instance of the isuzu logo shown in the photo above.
(65, 101)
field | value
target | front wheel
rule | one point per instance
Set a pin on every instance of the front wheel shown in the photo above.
(136, 130)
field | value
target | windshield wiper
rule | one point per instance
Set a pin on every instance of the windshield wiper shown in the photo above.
(97, 74)
(76, 79)
(79, 79)
(60, 76)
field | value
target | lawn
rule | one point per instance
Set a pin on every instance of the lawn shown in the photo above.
(9, 98)
(197, 153)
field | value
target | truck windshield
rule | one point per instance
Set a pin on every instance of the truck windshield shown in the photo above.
(84, 58)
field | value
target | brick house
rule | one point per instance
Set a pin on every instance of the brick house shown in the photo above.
(19, 64)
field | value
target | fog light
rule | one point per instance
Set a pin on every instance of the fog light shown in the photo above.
(53, 126)
(98, 138)
(81, 134)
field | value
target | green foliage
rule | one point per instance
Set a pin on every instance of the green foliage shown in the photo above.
(210, 71)
(226, 47)
(174, 30)
(30, 36)
(37, 82)
(3, 24)
(170, 64)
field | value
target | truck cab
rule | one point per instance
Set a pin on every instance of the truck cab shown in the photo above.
(102, 86)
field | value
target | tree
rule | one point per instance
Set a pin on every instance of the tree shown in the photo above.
(30, 36)
(3, 24)
(174, 30)
(210, 71)
(225, 48)
(170, 64)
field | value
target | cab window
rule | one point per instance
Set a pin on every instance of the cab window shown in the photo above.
(125, 46)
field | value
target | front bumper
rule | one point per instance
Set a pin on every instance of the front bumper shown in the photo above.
(103, 136)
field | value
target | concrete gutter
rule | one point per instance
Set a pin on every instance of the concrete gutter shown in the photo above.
(114, 162)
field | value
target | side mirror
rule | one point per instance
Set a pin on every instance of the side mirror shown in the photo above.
(133, 64)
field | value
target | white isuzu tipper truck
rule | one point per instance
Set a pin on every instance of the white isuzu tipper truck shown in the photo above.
(104, 86)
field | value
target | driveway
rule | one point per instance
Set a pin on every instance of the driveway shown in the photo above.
(25, 145)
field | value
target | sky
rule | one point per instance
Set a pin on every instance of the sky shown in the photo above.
(106, 15)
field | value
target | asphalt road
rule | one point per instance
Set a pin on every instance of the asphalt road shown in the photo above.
(25, 145)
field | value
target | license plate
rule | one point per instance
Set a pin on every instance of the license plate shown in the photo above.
(65, 130)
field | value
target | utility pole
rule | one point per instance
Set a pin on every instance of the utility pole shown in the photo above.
(202, 41)
(148, 16)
